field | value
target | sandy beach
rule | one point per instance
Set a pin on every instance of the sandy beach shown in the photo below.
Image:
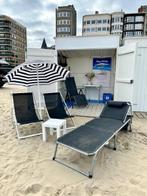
(26, 166)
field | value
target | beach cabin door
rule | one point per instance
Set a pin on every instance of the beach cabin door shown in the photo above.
(124, 78)
(131, 75)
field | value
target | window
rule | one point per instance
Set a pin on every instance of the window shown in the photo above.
(84, 30)
(99, 21)
(99, 29)
(137, 33)
(104, 28)
(129, 34)
(63, 22)
(93, 22)
(88, 29)
(138, 26)
(129, 27)
(88, 21)
(84, 22)
(63, 29)
(105, 21)
(139, 18)
(130, 18)
(94, 29)
(63, 14)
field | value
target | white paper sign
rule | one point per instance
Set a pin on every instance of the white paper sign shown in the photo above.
(103, 78)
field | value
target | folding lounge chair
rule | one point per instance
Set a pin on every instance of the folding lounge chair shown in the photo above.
(24, 112)
(56, 107)
(73, 94)
(91, 137)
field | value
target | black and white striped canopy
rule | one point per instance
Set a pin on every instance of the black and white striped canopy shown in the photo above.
(30, 74)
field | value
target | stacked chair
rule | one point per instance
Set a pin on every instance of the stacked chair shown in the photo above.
(75, 97)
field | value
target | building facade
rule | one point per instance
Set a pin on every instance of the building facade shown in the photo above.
(143, 9)
(65, 21)
(117, 23)
(133, 24)
(13, 41)
(96, 24)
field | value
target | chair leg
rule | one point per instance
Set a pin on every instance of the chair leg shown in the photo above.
(17, 131)
(54, 157)
(114, 142)
(92, 166)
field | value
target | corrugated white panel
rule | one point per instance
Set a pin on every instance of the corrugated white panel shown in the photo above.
(140, 88)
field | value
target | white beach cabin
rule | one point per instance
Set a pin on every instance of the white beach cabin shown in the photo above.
(126, 77)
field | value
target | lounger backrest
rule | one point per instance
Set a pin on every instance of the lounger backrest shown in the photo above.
(24, 108)
(71, 86)
(115, 110)
(55, 105)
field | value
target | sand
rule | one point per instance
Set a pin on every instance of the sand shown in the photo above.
(26, 166)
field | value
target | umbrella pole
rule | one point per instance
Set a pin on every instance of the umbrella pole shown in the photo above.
(39, 95)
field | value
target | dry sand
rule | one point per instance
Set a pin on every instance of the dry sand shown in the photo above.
(26, 166)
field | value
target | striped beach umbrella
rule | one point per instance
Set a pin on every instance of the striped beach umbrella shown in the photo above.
(30, 74)
(36, 74)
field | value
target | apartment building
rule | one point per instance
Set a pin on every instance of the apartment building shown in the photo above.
(96, 24)
(65, 21)
(133, 24)
(13, 40)
(143, 9)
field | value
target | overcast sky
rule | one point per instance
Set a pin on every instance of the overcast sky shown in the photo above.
(38, 16)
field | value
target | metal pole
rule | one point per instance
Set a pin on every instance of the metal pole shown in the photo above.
(39, 94)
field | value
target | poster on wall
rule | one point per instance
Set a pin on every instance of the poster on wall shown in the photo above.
(103, 64)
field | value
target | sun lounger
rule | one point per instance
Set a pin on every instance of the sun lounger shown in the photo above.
(91, 137)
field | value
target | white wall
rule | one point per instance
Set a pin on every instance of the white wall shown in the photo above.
(81, 65)
(41, 54)
(87, 42)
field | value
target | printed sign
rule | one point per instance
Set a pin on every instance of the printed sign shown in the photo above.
(103, 64)
(103, 78)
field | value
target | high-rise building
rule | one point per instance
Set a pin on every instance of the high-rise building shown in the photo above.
(143, 9)
(12, 40)
(133, 24)
(65, 21)
(96, 24)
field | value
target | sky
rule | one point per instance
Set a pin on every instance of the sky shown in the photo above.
(38, 16)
